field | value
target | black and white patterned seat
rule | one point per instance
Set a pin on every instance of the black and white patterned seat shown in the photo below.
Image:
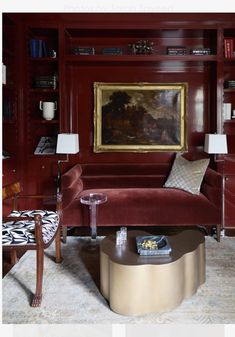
(23, 232)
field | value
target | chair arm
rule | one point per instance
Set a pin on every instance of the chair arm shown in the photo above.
(71, 185)
(212, 187)
(32, 196)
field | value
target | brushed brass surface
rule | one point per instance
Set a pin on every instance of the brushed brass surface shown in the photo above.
(135, 286)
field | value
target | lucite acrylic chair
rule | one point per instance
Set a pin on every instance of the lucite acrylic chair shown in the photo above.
(31, 230)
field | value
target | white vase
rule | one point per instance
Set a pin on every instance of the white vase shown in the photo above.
(48, 109)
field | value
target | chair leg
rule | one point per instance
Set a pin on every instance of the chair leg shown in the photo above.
(37, 299)
(58, 258)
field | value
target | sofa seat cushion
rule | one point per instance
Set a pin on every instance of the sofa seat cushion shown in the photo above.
(23, 232)
(152, 205)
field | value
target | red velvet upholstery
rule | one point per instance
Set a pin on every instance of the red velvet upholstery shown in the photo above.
(136, 196)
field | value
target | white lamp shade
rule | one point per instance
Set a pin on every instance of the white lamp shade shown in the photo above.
(67, 143)
(215, 143)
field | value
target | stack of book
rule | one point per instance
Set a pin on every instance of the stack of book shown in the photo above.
(228, 48)
(153, 245)
(229, 84)
(44, 82)
(176, 50)
(200, 51)
(38, 48)
(83, 51)
(46, 145)
(227, 111)
(112, 51)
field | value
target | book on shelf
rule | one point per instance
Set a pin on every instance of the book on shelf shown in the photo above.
(230, 84)
(228, 48)
(38, 48)
(149, 245)
(176, 50)
(112, 51)
(83, 51)
(45, 82)
(46, 146)
(227, 111)
(200, 51)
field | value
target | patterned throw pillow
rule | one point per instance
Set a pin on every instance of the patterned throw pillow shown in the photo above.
(187, 175)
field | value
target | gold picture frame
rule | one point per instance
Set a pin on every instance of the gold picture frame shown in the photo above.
(140, 117)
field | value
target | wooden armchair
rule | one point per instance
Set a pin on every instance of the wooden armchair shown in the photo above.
(31, 230)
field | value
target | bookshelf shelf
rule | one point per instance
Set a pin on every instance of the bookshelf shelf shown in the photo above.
(139, 58)
(231, 90)
(44, 59)
(39, 121)
(43, 90)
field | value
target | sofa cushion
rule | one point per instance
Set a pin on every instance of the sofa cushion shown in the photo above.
(145, 206)
(187, 175)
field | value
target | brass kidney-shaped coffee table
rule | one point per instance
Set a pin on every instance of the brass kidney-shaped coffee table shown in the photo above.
(136, 285)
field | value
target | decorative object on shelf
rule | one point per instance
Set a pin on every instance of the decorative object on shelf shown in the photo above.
(67, 143)
(229, 84)
(46, 146)
(200, 51)
(52, 53)
(217, 144)
(176, 50)
(233, 115)
(140, 117)
(227, 111)
(112, 51)
(48, 109)
(83, 51)
(5, 154)
(45, 82)
(153, 245)
(4, 72)
(142, 47)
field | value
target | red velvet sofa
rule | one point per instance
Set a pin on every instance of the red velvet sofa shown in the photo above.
(136, 197)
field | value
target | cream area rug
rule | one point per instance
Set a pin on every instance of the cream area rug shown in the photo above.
(71, 289)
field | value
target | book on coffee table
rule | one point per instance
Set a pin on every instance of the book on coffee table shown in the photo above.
(153, 245)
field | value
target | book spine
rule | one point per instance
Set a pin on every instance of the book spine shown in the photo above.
(44, 49)
(228, 48)
(40, 47)
(34, 48)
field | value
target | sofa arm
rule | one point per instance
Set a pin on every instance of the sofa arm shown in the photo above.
(212, 186)
(71, 185)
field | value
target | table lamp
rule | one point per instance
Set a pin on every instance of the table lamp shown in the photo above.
(67, 143)
(217, 144)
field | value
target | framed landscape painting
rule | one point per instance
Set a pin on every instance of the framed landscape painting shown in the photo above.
(140, 117)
